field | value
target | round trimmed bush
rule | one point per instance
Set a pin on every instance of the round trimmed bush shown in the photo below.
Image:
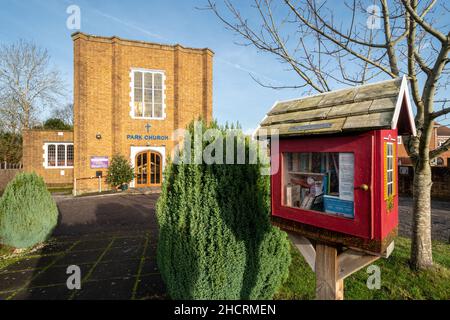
(216, 240)
(28, 213)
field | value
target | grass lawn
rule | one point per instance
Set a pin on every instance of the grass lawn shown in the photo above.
(398, 281)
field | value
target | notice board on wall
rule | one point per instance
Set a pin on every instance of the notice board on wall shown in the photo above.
(99, 162)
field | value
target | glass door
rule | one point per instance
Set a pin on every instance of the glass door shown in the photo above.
(148, 169)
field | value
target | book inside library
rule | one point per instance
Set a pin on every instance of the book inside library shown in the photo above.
(319, 181)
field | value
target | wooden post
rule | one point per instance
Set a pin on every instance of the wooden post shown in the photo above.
(332, 268)
(328, 284)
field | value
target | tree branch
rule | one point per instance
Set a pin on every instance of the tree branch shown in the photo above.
(419, 20)
(387, 35)
(443, 148)
(330, 38)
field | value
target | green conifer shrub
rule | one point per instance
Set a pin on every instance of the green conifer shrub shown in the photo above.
(28, 213)
(216, 240)
(120, 171)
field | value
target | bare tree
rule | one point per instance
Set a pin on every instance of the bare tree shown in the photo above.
(64, 113)
(28, 84)
(370, 40)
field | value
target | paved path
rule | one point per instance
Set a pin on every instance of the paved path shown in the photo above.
(440, 219)
(112, 239)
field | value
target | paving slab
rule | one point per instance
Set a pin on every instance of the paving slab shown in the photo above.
(129, 242)
(151, 287)
(80, 257)
(123, 253)
(150, 266)
(115, 270)
(91, 244)
(15, 280)
(151, 250)
(59, 292)
(106, 290)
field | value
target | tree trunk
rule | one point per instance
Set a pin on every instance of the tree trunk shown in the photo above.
(421, 250)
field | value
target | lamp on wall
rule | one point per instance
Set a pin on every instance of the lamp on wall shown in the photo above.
(98, 136)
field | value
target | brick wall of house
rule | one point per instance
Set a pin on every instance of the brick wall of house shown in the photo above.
(440, 177)
(34, 153)
(102, 68)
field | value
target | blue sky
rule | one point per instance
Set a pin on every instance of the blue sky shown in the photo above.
(237, 97)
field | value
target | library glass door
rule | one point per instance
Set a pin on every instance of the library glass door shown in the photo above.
(148, 169)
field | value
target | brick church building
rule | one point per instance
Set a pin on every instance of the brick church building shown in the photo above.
(129, 98)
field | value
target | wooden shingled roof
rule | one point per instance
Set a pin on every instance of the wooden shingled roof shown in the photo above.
(373, 106)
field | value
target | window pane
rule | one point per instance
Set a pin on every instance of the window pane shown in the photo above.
(390, 177)
(158, 96)
(148, 81)
(138, 95)
(138, 79)
(61, 155)
(144, 168)
(51, 155)
(158, 81)
(319, 181)
(152, 168)
(158, 169)
(148, 96)
(70, 155)
(138, 109)
(389, 163)
(158, 111)
(389, 149)
(148, 110)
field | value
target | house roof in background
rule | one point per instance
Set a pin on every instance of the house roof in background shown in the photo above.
(382, 105)
(443, 131)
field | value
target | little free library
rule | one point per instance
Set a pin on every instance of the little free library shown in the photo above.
(336, 191)
(129, 98)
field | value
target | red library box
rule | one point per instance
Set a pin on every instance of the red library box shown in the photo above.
(334, 173)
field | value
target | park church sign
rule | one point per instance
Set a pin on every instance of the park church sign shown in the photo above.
(139, 137)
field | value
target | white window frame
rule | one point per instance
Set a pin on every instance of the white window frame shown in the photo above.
(151, 71)
(56, 144)
(391, 170)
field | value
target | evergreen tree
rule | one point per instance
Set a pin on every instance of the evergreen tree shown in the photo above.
(216, 240)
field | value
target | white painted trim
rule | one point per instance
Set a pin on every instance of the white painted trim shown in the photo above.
(154, 71)
(134, 150)
(403, 94)
(45, 147)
